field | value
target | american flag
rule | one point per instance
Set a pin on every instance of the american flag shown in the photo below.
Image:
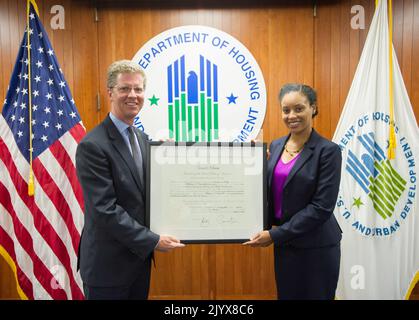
(39, 235)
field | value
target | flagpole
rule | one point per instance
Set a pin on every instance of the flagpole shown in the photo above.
(31, 184)
(392, 137)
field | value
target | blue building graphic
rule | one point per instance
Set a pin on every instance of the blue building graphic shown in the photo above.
(375, 175)
(193, 101)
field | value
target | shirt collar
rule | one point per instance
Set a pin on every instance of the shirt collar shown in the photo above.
(119, 124)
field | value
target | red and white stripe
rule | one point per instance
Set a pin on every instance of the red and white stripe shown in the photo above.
(41, 233)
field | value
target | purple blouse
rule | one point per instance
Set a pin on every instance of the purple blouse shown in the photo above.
(280, 175)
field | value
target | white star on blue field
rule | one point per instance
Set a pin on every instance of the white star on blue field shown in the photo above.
(232, 99)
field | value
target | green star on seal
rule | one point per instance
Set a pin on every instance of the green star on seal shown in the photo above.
(357, 202)
(153, 100)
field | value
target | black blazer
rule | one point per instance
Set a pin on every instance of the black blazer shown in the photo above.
(309, 195)
(115, 244)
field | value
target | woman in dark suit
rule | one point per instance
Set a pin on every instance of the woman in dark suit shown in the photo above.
(303, 183)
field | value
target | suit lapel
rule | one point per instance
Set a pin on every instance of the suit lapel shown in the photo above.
(276, 153)
(304, 156)
(143, 148)
(121, 147)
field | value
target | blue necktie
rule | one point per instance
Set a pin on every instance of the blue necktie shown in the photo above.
(136, 154)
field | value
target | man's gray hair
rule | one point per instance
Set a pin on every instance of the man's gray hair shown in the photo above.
(123, 66)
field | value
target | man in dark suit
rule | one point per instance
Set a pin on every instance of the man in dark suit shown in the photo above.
(116, 247)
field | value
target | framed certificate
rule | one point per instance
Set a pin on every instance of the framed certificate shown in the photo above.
(206, 192)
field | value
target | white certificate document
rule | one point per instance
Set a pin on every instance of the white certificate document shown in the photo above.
(206, 193)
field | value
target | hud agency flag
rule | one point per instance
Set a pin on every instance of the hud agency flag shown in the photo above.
(377, 206)
(40, 129)
(209, 88)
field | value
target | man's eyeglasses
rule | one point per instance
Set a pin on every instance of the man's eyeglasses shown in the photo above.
(127, 90)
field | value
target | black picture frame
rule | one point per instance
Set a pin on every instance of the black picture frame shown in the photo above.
(154, 144)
